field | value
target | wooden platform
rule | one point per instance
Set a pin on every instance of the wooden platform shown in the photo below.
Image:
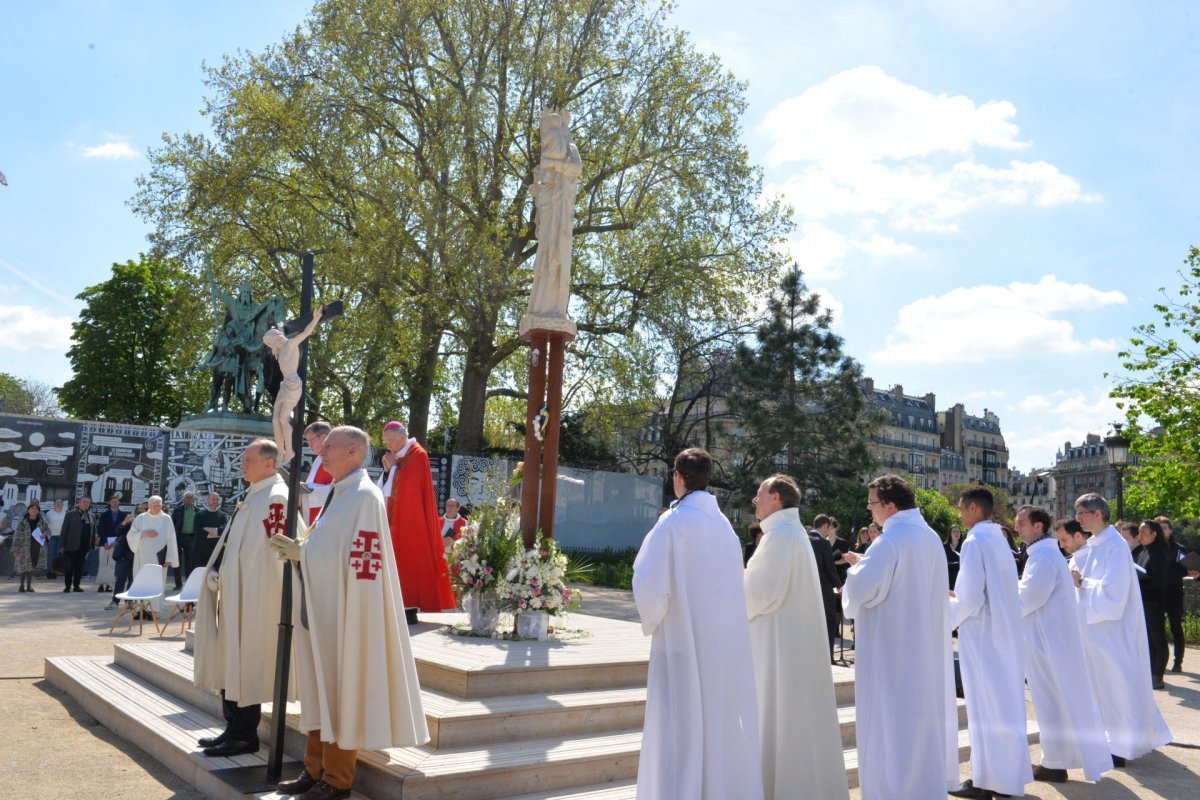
(515, 720)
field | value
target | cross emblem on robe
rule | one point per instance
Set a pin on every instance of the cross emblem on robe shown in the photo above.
(366, 555)
(274, 522)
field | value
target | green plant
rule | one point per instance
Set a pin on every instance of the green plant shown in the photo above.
(483, 552)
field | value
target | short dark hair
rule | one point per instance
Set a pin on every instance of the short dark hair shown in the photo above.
(1160, 536)
(694, 466)
(1131, 528)
(1037, 516)
(981, 496)
(1072, 527)
(784, 486)
(821, 520)
(267, 449)
(319, 428)
(895, 490)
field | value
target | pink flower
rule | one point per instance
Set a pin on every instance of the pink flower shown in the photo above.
(487, 570)
(537, 592)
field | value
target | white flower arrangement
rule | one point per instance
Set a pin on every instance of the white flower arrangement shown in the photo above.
(536, 580)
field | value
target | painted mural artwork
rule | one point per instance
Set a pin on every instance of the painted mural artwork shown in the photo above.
(203, 462)
(126, 460)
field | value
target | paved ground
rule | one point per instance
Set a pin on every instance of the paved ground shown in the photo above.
(50, 748)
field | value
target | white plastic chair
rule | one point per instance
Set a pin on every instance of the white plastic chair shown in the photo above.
(147, 586)
(185, 601)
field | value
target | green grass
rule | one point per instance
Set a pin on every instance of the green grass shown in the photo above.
(1191, 629)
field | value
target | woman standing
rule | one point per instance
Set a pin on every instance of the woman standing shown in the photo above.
(953, 547)
(863, 541)
(28, 553)
(1153, 560)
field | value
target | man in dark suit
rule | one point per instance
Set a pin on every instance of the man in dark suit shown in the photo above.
(831, 582)
(114, 524)
(210, 522)
(184, 519)
(78, 534)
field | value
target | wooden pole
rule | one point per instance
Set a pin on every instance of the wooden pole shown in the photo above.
(556, 345)
(531, 475)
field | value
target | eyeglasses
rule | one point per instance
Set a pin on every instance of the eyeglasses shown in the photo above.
(874, 503)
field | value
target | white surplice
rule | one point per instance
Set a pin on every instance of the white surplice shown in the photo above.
(146, 548)
(798, 725)
(1072, 730)
(1114, 640)
(907, 720)
(991, 654)
(700, 740)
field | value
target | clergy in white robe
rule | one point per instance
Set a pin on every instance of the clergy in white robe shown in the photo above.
(1114, 636)
(907, 720)
(1071, 729)
(150, 534)
(237, 618)
(318, 481)
(798, 727)
(986, 609)
(700, 740)
(358, 680)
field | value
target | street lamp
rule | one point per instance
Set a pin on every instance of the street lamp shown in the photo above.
(1117, 447)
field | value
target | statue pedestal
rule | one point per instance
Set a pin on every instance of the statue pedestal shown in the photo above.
(228, 422)
(533, 324)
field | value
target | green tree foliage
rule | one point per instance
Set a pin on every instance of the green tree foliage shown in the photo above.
(137, 347)
(1162, 385)
(799, 398)
(397, 139)
(1001, 505)
(939, 512)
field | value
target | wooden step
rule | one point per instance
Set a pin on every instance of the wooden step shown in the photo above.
(847, 721)
(453, 722)
(621, 790)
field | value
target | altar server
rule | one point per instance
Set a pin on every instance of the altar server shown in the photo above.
(151, 538)
(700, 740)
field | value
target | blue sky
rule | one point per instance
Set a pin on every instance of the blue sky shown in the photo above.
(989, 194)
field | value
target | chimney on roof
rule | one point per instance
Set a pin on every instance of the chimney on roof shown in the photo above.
(931, 401)
(898, 392)
(869, 385)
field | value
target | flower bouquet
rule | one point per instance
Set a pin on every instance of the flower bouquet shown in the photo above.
(478, 559)
(534, 586)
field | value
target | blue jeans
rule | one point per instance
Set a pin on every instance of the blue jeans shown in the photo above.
(51, 553)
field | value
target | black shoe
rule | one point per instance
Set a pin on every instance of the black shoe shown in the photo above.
(66, 589)
(1118, 761)
(212, 741)
(21, 588)
(1178, 667)
(969, 789)
(77, 589)
(1049, 775)
(323, 791)
(229, 748)
(298, 786)
(29, 588)
(1159, 683)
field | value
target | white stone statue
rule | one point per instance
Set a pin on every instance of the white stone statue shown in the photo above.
(554, 185)
(287, 353)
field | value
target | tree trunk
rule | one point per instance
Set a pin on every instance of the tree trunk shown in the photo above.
(469, 433)
(420, 393)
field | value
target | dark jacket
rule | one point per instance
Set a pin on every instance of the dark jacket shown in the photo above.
(1153, 582)
(111, 528)
(1176, 571)
(826, 570)
(202, 546)
(177, 520)
(78, 531)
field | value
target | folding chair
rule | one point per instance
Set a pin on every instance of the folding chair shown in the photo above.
(147, 587)
(185, 601)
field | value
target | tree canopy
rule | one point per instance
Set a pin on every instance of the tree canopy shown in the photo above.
(397, 139)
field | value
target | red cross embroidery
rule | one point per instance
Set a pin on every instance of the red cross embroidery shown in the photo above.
(274, 521)
(366, 555)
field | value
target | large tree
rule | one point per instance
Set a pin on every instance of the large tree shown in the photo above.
(398, 139)
(798, 395)
(1162, 386)
(137, 347)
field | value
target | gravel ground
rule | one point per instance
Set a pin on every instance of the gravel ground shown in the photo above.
(51, 748)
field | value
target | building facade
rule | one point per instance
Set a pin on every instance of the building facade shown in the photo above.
(908, 442)
(1038, 488)
(1083, 468)
(981, 443)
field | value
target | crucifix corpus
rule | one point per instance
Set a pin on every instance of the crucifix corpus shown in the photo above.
(546, 326)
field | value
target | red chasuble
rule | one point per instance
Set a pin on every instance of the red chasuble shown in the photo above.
(416, 535)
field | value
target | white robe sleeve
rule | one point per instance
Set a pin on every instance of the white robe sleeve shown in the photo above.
(969, 595)
(869, 581)
(134, 537)
(1104, 593)
(1035, 587)
(652, 577)
(172, 544)
(767, 576)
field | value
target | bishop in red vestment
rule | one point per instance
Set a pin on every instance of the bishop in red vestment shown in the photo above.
(407, 485)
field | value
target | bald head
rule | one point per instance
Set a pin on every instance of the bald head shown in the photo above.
(344, 451)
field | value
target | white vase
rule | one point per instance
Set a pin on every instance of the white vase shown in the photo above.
(483, 610)
(533, 625)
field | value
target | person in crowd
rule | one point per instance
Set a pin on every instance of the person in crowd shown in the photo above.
(112, 526)
(27, 552)
(451, 523)
(839, 546)
(1072, 730)
(78, 535)
(151, 538)
(54, 521)
(755, 532)
(896, 594)
(1129, 532)
(106, 574)
(1176, 553)
(794, 685)
(952, 547)
(986, 609)
(358, 680)
(1114, 636)
(701, 732)
(407, 486)
(184, 520)
(238, 612)
(319, 480)
(1014, 544)
(210, 523)
(1072, 539)
(831, 581)
(862, 541)
(1153, 559)
(874, 531)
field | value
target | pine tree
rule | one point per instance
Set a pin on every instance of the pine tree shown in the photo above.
(799, 397)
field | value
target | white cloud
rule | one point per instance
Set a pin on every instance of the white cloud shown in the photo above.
(115, 149)
(24, 328)
(821, 252)
(1043, 423)
(864, 144)
(980, 323)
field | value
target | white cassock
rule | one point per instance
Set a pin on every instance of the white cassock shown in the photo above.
(1072, 730)
(1114, 640)
(700, 740)
(798, 723)
(358, 680)
(991, 654)
(146, 548)
(237, 627)
(907, 720)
